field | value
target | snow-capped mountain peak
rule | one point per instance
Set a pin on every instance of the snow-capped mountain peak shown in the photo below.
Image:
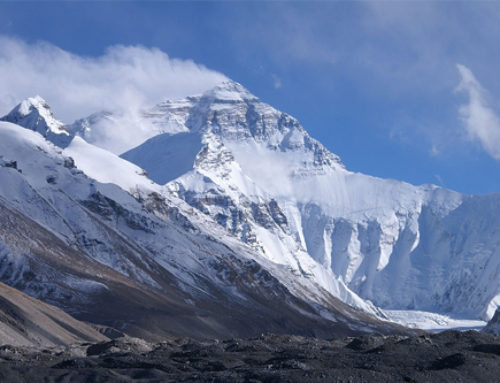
(230, 91)
(34, 113)
(214, 123)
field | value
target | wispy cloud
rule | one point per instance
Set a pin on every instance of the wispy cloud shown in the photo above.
(480, 120)
(76, 85)
(439, 179)
(434, 150)
(277, 82)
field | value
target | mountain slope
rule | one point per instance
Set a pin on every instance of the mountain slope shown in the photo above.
(123, 254)
(25, 321)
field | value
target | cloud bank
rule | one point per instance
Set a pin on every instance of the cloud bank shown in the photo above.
(480, 121)
(75, 86)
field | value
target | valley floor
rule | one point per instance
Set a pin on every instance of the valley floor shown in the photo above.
(449, 356)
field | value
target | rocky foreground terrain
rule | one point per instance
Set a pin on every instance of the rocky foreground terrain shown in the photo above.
(450, 356)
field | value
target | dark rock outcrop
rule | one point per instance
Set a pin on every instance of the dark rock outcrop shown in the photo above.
(493, 326)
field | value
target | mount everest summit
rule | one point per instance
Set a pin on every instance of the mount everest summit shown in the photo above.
(218, 214)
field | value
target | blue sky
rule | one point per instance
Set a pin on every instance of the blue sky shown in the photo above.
(376, 82)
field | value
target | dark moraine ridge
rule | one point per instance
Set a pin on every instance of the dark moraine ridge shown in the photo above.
(450, 356)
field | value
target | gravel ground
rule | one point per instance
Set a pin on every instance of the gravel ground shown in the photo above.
(450, 356)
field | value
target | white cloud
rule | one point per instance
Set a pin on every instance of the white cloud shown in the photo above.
(277, 82)
(439, 179)
(480, 121)
(75, 86)
(434, 150)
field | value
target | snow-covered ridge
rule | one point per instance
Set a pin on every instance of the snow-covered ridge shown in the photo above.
(256, 172)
